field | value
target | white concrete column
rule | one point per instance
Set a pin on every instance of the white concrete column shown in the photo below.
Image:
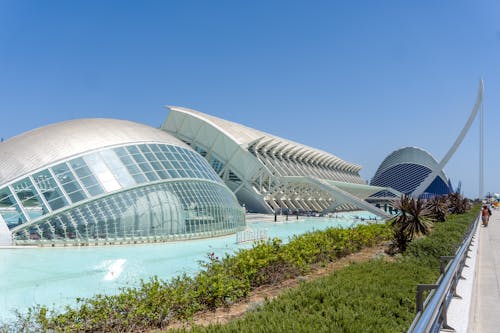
(5, 234)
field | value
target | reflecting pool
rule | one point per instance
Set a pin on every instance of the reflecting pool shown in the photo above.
(57, 276)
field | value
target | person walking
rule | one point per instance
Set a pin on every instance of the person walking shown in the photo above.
(485, 215)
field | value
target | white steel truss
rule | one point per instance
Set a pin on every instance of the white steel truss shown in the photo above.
(268, 173)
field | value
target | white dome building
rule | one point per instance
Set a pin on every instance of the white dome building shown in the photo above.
(107, 181)
(406, 168)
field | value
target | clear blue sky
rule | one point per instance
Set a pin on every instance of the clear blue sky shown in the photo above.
(358, 79)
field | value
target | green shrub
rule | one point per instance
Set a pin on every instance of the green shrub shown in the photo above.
(444, 240)
(375, 296)
(156, 303)
(372, 297)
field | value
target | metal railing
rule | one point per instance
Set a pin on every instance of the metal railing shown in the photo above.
(251, 235)
(431, 313)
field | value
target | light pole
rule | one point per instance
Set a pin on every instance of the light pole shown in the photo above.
(481, 152)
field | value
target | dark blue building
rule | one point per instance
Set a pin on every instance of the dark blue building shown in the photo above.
(407, 167)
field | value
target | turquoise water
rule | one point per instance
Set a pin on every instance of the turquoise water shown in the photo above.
(57, 276)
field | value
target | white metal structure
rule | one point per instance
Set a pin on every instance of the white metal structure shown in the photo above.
(439, 167)
(268, 173)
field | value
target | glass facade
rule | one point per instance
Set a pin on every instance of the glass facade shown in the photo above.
(406, 177)
(137, 191)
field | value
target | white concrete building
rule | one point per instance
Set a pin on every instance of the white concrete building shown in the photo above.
(268, 173)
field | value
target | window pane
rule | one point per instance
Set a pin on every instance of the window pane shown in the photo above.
(49, 189)
(10, 211)
(29, 198)
(131, 166)
(86, 176)
(141, 162)
(68, 182)
(102, 172)
(117, 168)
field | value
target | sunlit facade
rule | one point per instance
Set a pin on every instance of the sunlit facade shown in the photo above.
(105, 181)
(268, 173)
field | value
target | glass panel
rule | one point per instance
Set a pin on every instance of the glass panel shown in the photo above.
(86, 177)
(120, 151)
(142, 163)
(169, 156)
(182, 173)
(159, 155)
(157, 166)
(63, 173)
(173, 173)
(131, 166)
(176, 165)
(29, 198)
(154, 148)
(102, 172)
(190, 173)
(10, 211)
(145, 149)
(68, 182)
(216, 164)
(117, 168)
(177, 156)
(190, 157)
(49, 189)
(178, 208)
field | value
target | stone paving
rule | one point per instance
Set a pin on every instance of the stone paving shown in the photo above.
(484, 316)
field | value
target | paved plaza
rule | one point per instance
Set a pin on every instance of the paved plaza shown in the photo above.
(485, 301)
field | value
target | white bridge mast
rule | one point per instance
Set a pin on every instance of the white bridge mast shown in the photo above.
(437, 169)
(481, 152)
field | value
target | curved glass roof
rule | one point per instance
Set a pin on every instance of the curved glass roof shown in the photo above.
(46, 145)
(95, 174)
(173, 210)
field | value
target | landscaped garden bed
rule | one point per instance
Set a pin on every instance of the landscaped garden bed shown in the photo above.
(373, 296)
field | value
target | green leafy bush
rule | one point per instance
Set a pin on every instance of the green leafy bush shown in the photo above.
(156, 303)
(375, 296)
(444, 241)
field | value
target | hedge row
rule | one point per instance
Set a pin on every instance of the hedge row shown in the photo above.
(376, 296)
(156, 303)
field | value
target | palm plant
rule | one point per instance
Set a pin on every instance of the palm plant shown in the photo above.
(457, 204)
(412, 221)
(438, 208)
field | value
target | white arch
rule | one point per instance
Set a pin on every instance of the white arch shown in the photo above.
(437, 169)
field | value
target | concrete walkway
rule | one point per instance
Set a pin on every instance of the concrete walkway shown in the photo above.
(460, 308)
(485, 302)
